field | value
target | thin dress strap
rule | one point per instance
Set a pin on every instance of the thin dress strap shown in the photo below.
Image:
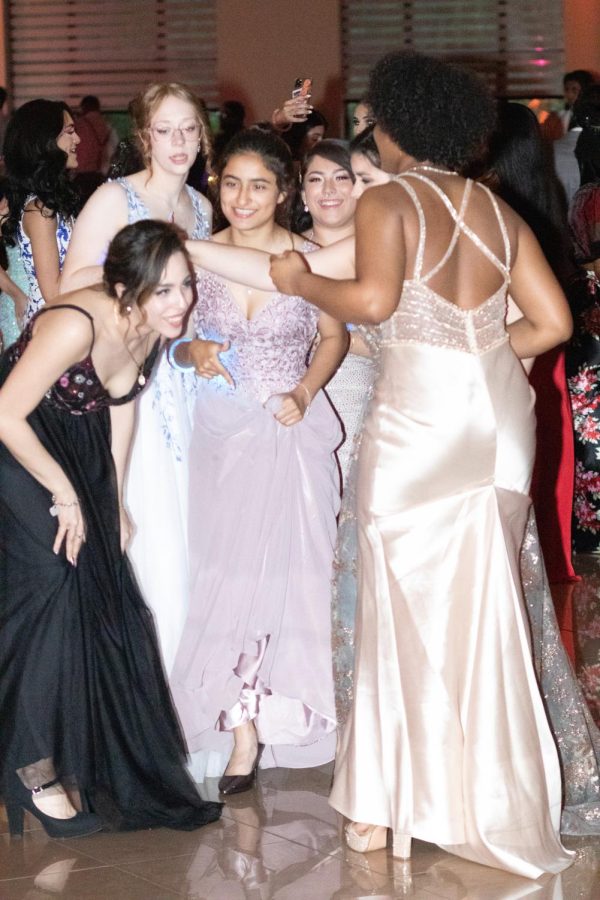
(501, 223)
(399, 179)
(84, 312)
(462, 224)
(458, 220)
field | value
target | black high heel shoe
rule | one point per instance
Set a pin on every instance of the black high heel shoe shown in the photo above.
(80, 824)
(236, 784)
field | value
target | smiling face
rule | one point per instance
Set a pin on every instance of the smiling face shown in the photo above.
(366, 174)
(327, 191)
(174, 133)
(68, 139)
(166, 308)
(249, 193)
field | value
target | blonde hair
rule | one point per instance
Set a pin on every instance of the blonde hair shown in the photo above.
(143, 107)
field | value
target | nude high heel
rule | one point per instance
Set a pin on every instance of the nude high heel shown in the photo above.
(374, 838)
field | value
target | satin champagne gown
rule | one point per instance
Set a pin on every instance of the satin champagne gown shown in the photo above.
(447, 739)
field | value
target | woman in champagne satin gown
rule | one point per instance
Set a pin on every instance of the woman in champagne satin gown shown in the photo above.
(447, 739)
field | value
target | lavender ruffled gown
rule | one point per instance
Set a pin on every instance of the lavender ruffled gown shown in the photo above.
(262, 529)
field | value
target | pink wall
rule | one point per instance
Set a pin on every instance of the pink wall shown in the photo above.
(265, 46)
(582, 34)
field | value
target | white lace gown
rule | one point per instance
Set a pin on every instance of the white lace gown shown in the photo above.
(156, 491)
(347, 391)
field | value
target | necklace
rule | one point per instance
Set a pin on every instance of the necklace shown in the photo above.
(425, 167)
(141, 378)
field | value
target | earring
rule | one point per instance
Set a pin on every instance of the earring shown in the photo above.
(128, 310)
(305, 208)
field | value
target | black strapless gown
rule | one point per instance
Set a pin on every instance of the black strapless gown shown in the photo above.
(81, 680)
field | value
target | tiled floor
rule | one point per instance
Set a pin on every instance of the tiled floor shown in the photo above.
(281, 840)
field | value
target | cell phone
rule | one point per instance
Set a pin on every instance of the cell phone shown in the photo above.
(302, 88)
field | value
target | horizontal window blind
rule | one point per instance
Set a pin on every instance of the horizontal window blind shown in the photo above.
(517, 45)
(110, 48)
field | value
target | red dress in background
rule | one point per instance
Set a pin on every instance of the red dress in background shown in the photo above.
(554, 470)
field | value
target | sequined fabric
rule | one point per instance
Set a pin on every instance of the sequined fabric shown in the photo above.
(255, 361)
(79, 390)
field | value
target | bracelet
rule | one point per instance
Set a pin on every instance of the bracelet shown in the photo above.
(56, 505)
(303, 386)
(181, 367)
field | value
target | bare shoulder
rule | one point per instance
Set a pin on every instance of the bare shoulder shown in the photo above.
(70, 324)
(106, 197)
(387, 200)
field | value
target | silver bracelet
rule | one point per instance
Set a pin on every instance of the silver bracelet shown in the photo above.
(181, 367)
(56, 506)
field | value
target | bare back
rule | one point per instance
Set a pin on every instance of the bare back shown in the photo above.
(456, 238)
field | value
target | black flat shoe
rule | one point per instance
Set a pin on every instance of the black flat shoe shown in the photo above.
(80, 824)
(236, 784)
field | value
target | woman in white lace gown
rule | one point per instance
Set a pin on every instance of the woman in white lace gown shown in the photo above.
(447, 739)
(171, 130)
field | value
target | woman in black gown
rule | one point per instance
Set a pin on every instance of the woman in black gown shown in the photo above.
(83, 700)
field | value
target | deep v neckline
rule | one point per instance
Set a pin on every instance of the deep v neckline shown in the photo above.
(232, 301)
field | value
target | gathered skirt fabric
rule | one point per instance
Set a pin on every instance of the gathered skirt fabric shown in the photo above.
(448, 739)
(256, 644)
(81, 680)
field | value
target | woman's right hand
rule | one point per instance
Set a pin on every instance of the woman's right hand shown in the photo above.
(71, 527)
(205, 357)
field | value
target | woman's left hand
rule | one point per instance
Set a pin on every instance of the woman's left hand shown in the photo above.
(285, 270)
(293, 407)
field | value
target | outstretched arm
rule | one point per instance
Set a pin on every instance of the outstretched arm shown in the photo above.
(373, 294)
(251, 267)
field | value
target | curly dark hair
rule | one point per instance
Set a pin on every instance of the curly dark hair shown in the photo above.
(36, 165)
(432, 110)
(277, 159)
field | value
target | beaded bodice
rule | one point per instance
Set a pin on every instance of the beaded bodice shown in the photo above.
(425, 317)
(79, 389)
(268, 353)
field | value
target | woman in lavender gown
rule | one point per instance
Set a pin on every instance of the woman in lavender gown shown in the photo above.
(254, 664)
